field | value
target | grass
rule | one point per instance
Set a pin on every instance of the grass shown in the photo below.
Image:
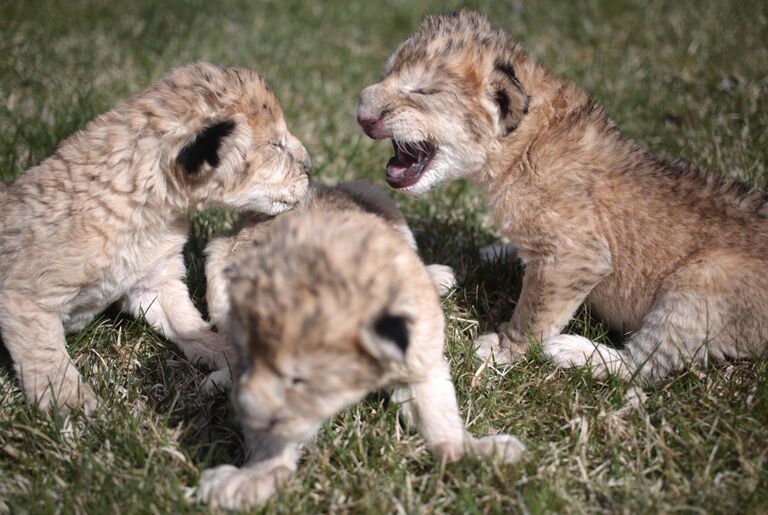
(685, 78)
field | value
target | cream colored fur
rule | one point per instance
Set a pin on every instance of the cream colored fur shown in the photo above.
(359, 195)
(329, 303)
(104, 218)
(671, 255)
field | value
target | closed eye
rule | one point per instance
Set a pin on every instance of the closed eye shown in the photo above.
(296, 381)
(427, 91)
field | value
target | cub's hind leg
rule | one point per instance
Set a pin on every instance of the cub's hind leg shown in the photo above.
(713, 308)
(675, 332)
(35, 340)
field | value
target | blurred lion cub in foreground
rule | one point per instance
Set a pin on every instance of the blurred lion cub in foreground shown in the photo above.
(359, 195)
(329, 303)
(671, 254)
(104, 218)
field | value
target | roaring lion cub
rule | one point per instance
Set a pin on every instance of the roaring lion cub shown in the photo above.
(672, 254)
(104, 218)
(329, 303)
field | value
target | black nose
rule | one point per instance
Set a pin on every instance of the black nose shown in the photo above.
(306, 166)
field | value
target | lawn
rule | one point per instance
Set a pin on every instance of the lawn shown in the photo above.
(686, 78)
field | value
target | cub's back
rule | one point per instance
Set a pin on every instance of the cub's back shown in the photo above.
(354, 214)
(363, 248)
(356, 196)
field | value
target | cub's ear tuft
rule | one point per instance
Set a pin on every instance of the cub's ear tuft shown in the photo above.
(508, 95)
(204, 147)
(388, 338)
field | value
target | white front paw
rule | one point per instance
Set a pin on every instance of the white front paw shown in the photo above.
(568, 350)
(488, 346)
(449, 451)
(211, 350)
(217, 381)
(235, 488)
(443, 278)
(61, 392)
(505, 448)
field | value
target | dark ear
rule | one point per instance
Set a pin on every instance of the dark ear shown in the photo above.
(508, 95)
(204, 148)
(388, 337)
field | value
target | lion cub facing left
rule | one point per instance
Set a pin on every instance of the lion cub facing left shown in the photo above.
(329, 303)
(104, 218)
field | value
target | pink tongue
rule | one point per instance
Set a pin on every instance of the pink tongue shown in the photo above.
(401, 174)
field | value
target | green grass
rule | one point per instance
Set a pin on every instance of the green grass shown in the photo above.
(685, 78)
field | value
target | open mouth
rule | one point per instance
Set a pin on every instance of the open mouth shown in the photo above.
(278, 206)
(409, 163)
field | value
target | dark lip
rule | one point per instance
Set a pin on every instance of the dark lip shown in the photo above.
(374, 129)
(409, 163)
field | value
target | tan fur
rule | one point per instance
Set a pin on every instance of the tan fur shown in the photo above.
(359, 196)
(330, 303)
(103, 219)
(671, 254)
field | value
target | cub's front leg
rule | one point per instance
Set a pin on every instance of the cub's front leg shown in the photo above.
(270, 463)
(554, 286)
(431, 405)
(163, 299)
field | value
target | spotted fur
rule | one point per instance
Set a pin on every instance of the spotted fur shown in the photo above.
(104, 218)
(359, 196)
(328, 303)
(670, 254)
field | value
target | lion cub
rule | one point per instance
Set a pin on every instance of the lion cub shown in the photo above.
(330, 303)
(669, 253)
(104, 218)
(359, 195)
